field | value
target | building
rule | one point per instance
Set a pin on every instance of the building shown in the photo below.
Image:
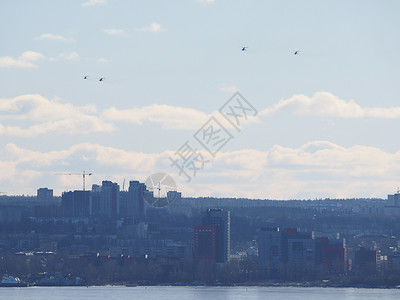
(300, 250)
(393, 206)
(123, 204)
(109, 201)
(365, 259)
(289, 251)
(270, 252)
(176, 206)
(44, 195)
(331, 255)
(46, 211)
(135, 203)
(222, 221)
(394, 200)
(75, 204)
(95, 200)
(205, 243)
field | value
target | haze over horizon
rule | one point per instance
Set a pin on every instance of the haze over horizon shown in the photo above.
(326, 118)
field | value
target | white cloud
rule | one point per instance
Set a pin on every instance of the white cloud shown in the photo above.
(171, 117)
(153, 27)
(316, 169)
(29, 59)
(24, 61)
(54, 37)
(43, 116)
(8, 61)
(31, 56)
(24, 168)
(94, 2)
(49, 116)
(328, 105)
(69, 56)
(113, 31)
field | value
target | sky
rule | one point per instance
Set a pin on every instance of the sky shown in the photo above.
(320, 124)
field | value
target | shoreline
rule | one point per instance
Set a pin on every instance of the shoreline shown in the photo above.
(243, 285)
(216, 286)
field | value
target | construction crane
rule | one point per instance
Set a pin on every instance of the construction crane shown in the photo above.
(83, 174)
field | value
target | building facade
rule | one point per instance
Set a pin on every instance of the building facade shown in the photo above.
(205, 243)
(222, 221)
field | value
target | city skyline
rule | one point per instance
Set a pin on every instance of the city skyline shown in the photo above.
(326, 118)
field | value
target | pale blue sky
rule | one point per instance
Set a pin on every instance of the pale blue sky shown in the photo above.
(168, 65)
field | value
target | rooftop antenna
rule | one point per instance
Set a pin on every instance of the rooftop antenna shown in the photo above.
(123, 185)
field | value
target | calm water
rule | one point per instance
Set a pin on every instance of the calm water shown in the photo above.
(195, 293)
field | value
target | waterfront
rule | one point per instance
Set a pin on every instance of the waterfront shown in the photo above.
(194, 293)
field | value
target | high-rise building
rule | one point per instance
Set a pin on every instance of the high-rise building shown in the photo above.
(222, 221)
(393, 205)
(95, 200)
(205, 243)
(135, 205)
(331, 254)
(281, 249)
(109, 204)
(67, 204)
(75, 204)
(270, 252)
(396, 199)
(288, 249)
(300, 250)
(44, 195)
(123, 204)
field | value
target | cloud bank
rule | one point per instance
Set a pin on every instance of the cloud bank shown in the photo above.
(42, 115)
(26, 60)
(171, 117)
(315, 169)
(48, 116)
(325, 104)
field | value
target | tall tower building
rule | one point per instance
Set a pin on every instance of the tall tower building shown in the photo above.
(123, 204)
(109, 205)
(135, 205)
(67, 204)
(221, 220)
(95, 200)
